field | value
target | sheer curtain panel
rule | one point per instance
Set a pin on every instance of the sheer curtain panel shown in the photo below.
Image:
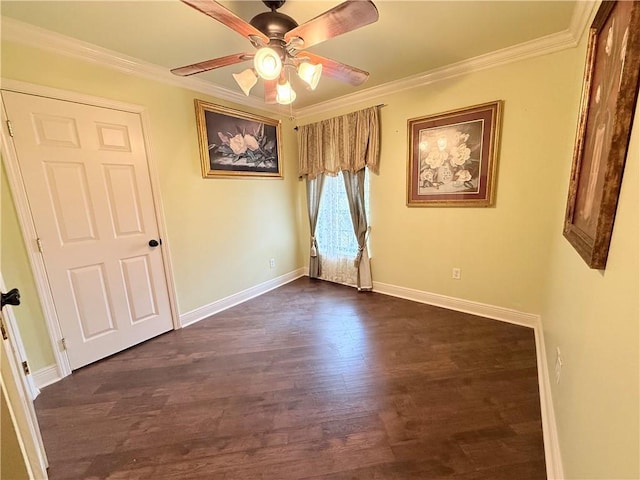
(335, 234)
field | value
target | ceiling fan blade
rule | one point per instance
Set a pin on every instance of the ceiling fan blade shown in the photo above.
(339, 71)
(270, 91)
(226, 17)
(211, 64)
(343, 18)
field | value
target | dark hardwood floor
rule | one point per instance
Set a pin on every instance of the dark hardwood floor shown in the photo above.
(312, 380)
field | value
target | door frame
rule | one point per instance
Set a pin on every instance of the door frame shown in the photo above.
(17, 344)
(25, 217)
(17, 389)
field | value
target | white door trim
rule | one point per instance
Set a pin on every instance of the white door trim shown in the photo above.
(34, 459)
(28, 230)
(12, 326)
(19, 394)
(25, 217)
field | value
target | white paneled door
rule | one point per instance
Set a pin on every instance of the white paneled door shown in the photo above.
(87, 179)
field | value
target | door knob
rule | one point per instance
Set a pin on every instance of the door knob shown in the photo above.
(154, 243)
(12, 297)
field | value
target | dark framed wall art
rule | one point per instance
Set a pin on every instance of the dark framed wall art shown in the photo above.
(453, 157)
(237, 144)
(609, 95)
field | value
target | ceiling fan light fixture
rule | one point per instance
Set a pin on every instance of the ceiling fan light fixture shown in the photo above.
(284, 93)
(279, 40)
(310, 73)
(246, 80)
(267, 63)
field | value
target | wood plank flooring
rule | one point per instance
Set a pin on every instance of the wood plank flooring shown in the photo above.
(310, 381)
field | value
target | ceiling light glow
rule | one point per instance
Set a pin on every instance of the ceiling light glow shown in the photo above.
(284, 93)
(310, 73)
(246, 80)
(267, 63)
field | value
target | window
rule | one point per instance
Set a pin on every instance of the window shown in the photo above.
(336, 241)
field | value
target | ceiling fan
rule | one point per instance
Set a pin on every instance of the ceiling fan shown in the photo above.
(281, 44)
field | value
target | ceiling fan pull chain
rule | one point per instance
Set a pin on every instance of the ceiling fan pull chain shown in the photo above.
(290, 103)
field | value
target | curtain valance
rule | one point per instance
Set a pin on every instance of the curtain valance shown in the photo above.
(349, 142)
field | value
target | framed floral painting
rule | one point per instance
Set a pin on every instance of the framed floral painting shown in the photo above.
(453, 157)
(237, 144)
(609, 95)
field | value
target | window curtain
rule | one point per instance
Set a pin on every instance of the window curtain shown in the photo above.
(314, 192)
(354, 186)
(346, 144)
(349, 142)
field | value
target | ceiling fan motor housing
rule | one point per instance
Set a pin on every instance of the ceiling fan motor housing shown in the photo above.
(273, 24)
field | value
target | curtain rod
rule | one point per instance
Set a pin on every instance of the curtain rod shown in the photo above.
(380, 105)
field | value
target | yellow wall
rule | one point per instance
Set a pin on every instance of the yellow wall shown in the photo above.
(502, 251)
(593, 316)
(221, 232)
(16, 272)
(12, 463)
(512, 255)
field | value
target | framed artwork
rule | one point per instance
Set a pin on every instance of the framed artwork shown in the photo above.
(453, 157)
(609, 93)
(237, 144)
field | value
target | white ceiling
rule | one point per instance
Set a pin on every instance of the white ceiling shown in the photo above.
(410, 38)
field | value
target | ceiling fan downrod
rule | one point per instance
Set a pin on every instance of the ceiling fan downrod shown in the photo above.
(273, 24)
(273, 5)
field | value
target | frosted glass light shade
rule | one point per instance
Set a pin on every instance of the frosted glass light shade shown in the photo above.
(284, 93)
(267, 63)
(310, 73)
(246, 80)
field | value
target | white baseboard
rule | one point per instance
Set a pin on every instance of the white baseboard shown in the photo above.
(46, 376)
(34, 391)
(205, 311)
(549, 429)
(553, 457)
(459, 305)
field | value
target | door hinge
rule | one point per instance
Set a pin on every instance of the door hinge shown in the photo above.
(25, 368)
(39, 242)
(3, 330)
(10, 128)
(64, 343)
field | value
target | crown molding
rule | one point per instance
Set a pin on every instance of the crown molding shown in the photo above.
(542, 46)
(582, 15)
(569, 38)
(24, 33)
(32, 36)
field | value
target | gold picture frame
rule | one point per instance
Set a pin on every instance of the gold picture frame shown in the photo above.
(453, 157)
(609, 95)
(237, 144)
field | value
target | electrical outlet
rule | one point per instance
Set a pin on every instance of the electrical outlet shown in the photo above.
(272, 263)
(456, 273)
(558, 364)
